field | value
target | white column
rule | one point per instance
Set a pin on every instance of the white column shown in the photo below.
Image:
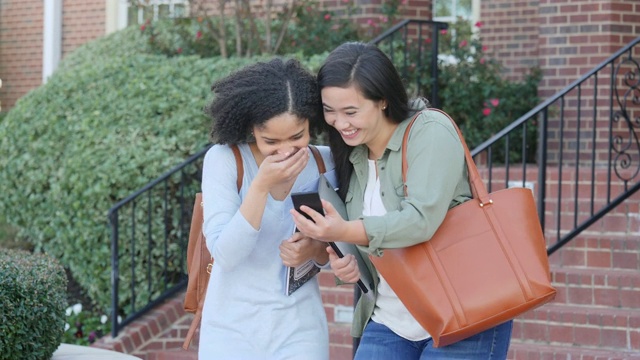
(116, 15)
(52, 37)
(123, 14)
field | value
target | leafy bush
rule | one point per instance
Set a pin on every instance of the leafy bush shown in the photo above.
(312, 30)
(108, 122)
(32, 303)
(474, 92)
(471, 87)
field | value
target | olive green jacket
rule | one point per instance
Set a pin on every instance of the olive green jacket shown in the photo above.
(437, 180)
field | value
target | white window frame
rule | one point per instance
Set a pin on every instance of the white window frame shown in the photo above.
(123, 10)
(475, 12)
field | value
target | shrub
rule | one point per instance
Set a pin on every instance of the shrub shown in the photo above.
(474, 92)
(314, 30)
(104, 125)
(311, 30)
(471, 87)
(32, 304)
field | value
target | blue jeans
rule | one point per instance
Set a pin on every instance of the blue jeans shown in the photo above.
(378, 342)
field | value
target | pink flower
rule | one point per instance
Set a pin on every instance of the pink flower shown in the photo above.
(383, 19)
(327, 17)
(142, 27)
(443, 32)
(484, 48)
(482, 61)
(479, 24)
(404, 2)
(495, 102)
(371, 23)
(198, 35)
(427, 40)
(486, 111)
(179, 51)
(463, 43)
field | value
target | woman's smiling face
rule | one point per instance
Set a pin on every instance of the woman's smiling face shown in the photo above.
(359, 120)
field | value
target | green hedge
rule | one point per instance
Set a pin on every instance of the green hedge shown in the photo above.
(32, 305)
(109, 121)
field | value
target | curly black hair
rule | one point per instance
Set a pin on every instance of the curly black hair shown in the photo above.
(258, 92)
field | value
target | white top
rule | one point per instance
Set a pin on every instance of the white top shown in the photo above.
(389, 310)
(246, 313)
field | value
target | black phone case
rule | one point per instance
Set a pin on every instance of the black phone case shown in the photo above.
(310, 199)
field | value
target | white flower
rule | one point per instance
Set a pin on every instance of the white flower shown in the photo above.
(119, 319)
(77, 308)
(66, 326)
(103, 319)
(68, 311)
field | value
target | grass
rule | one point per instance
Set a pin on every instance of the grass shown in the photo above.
(9, 238)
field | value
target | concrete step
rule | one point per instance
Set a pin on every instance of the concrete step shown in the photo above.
(173, 355)
(528, 351)
(589, 327)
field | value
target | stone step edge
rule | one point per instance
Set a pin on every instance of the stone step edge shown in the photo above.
(546, 349)
(583, 310)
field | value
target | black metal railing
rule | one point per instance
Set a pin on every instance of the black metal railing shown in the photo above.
(588, 152)
(148, 258)
(412, 45)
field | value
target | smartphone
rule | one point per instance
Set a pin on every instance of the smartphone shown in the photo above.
(310, 199)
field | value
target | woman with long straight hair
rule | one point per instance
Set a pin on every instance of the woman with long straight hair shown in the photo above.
(368, 108)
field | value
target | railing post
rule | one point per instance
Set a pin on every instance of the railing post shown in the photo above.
(434, 66)
(115, 274)
(542, 166)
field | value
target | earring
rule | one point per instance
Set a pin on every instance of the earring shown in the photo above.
(384, 107)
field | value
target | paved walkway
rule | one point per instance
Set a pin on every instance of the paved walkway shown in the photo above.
(77, 352)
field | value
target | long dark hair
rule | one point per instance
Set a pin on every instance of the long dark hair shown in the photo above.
(372, 73)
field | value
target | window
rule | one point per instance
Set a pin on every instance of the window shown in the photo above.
(450, 10)
(155, 9)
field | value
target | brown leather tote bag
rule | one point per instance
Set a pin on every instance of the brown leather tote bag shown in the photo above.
(486, 264)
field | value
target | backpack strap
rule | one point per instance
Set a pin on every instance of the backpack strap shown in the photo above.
(236, 153)
(195, 323)
(319, 159)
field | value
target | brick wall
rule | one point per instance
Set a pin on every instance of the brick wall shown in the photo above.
(577, 35)
(21, 23)
(82, 21)
(510, 33)
(567, 39)
(21, 37)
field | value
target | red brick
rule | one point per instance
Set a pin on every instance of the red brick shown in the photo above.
(561, 333)
(586, 336)
(613, 338)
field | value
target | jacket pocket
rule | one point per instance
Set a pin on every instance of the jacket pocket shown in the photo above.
(400, 190)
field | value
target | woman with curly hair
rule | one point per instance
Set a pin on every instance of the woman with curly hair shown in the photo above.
(270, 110)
